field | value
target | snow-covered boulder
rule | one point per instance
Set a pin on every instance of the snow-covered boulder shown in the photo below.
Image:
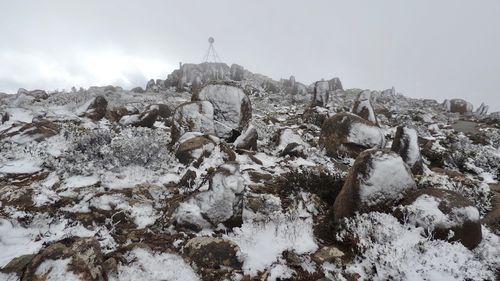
(443, 214)
(39, 130)
(145, 119)
(321, 94)
(247, 140)
(348, 134)
(5, 117)
(151, 86)
(194, 149)
(138, 90)
(116, 113)
(232, 108)
(97, 109)
(460, 106)
(195, 116)
(164, 111)
(363, 107)
(335, 84)
(221, 203)
(71, 259)
(482, 110)
(406, 144)
(377, 179)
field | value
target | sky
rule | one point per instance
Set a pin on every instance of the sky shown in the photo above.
(425, 49)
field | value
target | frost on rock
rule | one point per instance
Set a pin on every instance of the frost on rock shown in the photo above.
(193, 117)
(261, 243)
(443, 214)
(377, 179)
(349, 134)
(392, 250)
(363, 107)
(232, 109)
(406, 144)
(221, 203)
(145, 265)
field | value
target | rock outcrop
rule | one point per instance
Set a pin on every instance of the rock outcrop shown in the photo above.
(482, 110)
(363, 107)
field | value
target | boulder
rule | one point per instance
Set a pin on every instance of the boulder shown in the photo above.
(151, 86)
(116, 113)
(334, 84)
(138, 90)
(482, 110)
(145, 119)
(237, 72)
(444, 214)
(194, 149)
(363, 107)
(164, 111)
(221, 203)
(375, 182)
(293, 150)
(460, 106)
(38, 130)
(97, 109)
(346, 134)
(321, 94)
(195, 116)
(63, 260)
(247, 140)
(232, 108)
(5, 117)
(211, 252)
(406, 144)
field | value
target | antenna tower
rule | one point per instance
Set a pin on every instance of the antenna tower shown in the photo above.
(211, 55)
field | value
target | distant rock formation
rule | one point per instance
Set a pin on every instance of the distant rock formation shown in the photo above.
(363, 107)
(482, 110)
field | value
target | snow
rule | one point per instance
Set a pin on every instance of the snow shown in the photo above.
(16, 241)
(81, 181)
(261, 243)
(388, 177)
(366, 135)
(21, 166)
(391, 249)
(144, 265)
(55, 270)
(288, 136)
(143, 215)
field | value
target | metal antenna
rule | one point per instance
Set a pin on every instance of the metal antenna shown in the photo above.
(211, 55)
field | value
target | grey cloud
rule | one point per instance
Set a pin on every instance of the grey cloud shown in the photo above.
(428, 49)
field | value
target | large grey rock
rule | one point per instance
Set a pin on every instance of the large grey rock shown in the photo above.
(460, 106)
(346, 134)
(195, 116)
(363, 107)
(221, 203)
(232, 109)
(406, 144)
(375, 182)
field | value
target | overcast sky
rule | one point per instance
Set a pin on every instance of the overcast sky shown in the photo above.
(429, 49)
